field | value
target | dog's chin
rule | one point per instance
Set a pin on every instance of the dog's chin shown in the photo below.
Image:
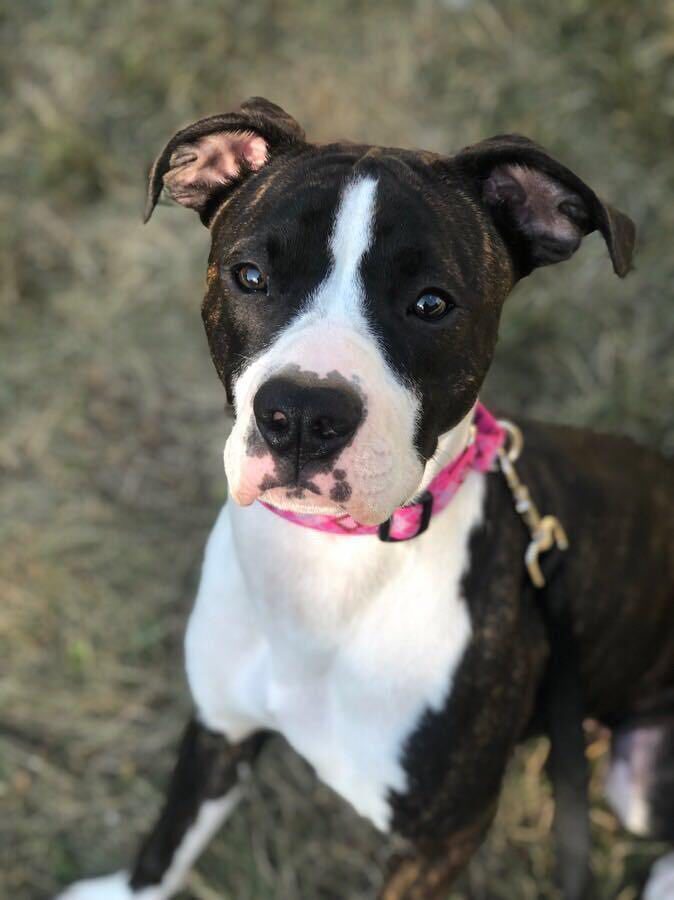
(309, 504)
(301, 501)
(370, 506)
(361, 487)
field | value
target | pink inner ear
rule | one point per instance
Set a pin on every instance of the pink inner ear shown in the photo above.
(253, 149)
(199, 168)
(535, 199)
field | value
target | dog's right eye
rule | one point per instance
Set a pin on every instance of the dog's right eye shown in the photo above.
(431, 305)
(250, 277)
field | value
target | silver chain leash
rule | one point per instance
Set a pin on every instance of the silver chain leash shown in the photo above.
(546, 531)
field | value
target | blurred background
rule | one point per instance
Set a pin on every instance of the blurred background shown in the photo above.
(111, 417)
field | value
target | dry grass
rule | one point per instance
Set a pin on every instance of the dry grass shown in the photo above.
(111, 418)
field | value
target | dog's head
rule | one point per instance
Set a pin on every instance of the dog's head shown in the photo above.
(354, 295)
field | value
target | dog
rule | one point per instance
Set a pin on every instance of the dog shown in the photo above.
(352, 310)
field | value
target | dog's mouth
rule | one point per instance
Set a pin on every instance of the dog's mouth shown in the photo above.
(327, 492)
(360, 483)
(302, 498)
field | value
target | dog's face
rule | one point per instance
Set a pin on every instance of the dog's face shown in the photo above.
(347, 290)
(354, 295)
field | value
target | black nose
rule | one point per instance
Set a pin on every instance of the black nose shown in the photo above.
(306, 422)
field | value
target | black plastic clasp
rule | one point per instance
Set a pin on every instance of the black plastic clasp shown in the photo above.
(425, 501)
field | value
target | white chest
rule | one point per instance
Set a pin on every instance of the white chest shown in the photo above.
(338, 643)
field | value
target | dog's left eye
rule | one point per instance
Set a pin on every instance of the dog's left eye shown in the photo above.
(250, 277)
(431, 305)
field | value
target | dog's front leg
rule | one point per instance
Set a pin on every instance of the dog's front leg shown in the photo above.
(202, 792)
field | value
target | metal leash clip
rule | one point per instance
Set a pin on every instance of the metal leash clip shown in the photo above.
(546, 531)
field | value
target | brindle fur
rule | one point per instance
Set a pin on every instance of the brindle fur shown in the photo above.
(614, 498)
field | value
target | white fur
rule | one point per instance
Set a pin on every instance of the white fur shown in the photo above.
(109, 887)
(628, 798)
(628, 781)
(116, 887)
(339, 643)
(331, 335)
(660, 884)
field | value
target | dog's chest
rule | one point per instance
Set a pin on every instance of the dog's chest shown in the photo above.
(338, 643)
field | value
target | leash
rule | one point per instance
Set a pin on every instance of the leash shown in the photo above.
(563, 691)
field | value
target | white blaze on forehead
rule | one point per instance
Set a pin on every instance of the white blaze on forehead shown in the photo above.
(341, 295)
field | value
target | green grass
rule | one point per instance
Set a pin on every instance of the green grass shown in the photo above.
(111, 418)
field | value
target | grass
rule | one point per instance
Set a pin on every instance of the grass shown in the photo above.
(111, 418)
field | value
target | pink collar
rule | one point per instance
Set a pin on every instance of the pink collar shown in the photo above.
(410, 521)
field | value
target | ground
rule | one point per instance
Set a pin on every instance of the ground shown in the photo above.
(111, 417)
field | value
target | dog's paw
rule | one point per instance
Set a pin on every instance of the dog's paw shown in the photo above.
(110, 887)
(660, 884)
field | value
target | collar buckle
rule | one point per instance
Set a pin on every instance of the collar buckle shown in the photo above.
(425, 501)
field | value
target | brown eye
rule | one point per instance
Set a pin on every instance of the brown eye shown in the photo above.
(250, 277)
(430, 305)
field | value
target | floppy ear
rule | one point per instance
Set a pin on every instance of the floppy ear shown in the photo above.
(202, 160)
(542, 209)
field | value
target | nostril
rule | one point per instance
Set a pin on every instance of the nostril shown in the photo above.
(279, 420)
(324, 428)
